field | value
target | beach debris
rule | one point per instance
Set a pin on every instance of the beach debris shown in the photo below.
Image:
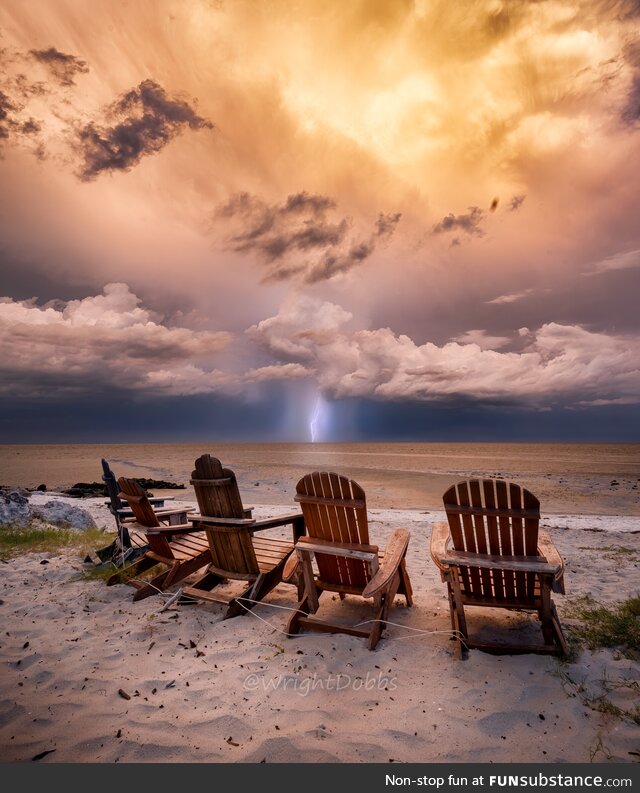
(124, 694)
(231, 742)
(42, 488)
(40, 755)
(171, 600)
(170, 684)
(44, 561)
(119, 734)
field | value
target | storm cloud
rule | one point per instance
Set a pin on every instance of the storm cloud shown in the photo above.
(141, 122)
(63, 67)
(389, 198)
(471, 223)
(297, 239)
(79, 345)
(554, 364)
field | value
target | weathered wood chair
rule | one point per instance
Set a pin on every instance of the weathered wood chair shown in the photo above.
(492, 553)
(120, 509)
(335, 514)
(173, 543)
(236, 553)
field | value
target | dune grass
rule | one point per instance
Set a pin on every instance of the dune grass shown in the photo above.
(16, 541)
(615, 625)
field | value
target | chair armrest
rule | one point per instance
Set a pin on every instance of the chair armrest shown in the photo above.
(295, 518)
(198, 518)
(280, 520)
(178, 528)
(290, 568)
(519, 564)
(347, 549)
(440, 535)
(393, 555)
(547, 549)
(166, 513)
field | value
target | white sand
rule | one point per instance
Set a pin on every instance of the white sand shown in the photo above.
(206, 690)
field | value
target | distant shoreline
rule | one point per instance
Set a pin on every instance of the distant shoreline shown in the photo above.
(574, 479)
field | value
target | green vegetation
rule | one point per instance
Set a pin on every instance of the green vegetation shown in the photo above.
(616, 625)
(16, 541)
(617, 553)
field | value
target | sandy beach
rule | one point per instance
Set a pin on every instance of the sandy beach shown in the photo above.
(90, 676)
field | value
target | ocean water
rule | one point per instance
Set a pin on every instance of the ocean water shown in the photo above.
(591, 479)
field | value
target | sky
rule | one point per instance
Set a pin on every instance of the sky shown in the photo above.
(297, 220)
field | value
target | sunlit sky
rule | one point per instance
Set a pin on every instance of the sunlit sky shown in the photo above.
(394, 220)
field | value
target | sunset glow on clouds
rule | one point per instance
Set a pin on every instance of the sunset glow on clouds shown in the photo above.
(400, 202)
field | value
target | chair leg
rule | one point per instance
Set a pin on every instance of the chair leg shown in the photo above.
(405, 584)
(562, 642)
(545, 613)
(303, 608)
(382, 613)
(243, 603)
(261, 587)
(458, 619)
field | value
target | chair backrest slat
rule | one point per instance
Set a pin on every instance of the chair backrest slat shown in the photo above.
(218, 496)
(138, 502)
(334, 509)
(499, 518)
(216, 489)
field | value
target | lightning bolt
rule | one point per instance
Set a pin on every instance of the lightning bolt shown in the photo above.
(313, 424)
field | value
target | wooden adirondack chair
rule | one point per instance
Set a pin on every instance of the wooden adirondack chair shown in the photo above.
(492, 553)
(236, 553)
(173, 543)
(120, 509)
(335, 514)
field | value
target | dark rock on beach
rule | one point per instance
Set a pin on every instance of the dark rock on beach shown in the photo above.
(86, 490)
(160, 484)
(94, 489)
(15, 510)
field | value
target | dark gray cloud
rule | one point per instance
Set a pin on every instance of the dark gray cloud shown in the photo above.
(143, 121)
(62, 66)
(516, 202)
(11, 124)
(471, 223)
(300, 225)
(7, 122)
(335, 263)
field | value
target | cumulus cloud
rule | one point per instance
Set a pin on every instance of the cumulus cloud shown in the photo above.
(516, 202)
(141, 122)
(62, 66)
(560, 364)
(107, 339)
(471, 223)
(302, 325)
(287, 371)
(297, 238)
